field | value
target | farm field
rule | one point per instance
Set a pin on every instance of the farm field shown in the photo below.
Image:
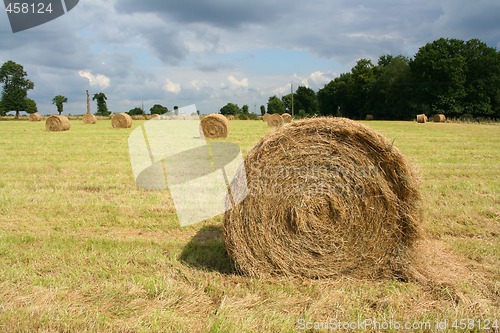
(83, 249)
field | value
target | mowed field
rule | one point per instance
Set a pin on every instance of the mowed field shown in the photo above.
(83, 249)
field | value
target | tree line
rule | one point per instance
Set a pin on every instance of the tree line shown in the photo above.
(449, 76)
(456, 78)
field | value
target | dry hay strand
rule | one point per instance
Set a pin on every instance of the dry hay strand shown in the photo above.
(214, 126)
(439, 118)
(369, 117)
(121, 120)
(89, 119)
(421, 118)
(155, 116)
(349, 204)
(57, 123)
(275, 120)
(287, 118)
(35, 117)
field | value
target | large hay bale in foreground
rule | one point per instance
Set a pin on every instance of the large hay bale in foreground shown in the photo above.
(57, 123)
(326, 197)
(421, 118)
(121, 120)
(275, 120)
(439, 118)
(35, 117)
(89, 119)
(287, 118)
(214, 126)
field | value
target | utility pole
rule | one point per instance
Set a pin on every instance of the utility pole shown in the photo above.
(291, 87)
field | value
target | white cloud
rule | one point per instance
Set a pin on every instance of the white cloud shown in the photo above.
(171, 87)
(243, 83)
(100, 80)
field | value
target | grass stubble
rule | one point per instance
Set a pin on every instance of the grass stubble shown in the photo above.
(83, 249)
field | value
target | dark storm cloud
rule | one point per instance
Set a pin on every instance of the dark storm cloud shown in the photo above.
(220, 13)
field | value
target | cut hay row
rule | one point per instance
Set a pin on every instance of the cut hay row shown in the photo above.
(121, 120)
(89, 119)
(35, 117)
(348, 204)
(287, 118)
(439, 118)
(57, 124)
(214, 126)
(421, 118)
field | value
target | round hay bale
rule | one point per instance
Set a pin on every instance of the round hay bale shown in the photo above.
(439, 118)
(121, 120)
(57, 124)
(265, 117)
(155, 116)
(421, 118)
(35, 117)
(89, 119)
(275, 120)
(214, 126)
(325, 197)
(369, 117)
(287, 118)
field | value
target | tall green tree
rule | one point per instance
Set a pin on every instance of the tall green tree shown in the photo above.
(262, 110)
(15, 87)
(482, 83)
(230, 109)
(102, 108)
(30, 106)
(135, 111)
(158, 109)
(440, 70)
(305, 99)
(391, 96)
(275, 105)
(59, 101)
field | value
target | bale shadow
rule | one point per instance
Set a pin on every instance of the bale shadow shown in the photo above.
(206, 251)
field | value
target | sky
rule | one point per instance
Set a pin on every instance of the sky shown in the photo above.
(211, 52)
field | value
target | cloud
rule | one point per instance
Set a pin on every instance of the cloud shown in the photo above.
(171, 87)
(243, 83)
(99, 80)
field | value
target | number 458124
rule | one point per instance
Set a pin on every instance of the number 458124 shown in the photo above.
(479, 324)
(28, 8)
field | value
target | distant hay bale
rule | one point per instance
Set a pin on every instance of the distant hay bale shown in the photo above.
(274, 120)
(35, 117)
(231, 117)
(214, 126)
(89, 119)
(439, 118)
(155, 116)
(57, 124)
(349, 204)
(421, 118)
(265, 117)
(369, 117)
(121, 120)
(287, 118)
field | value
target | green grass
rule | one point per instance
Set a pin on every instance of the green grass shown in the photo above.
(83, 249)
